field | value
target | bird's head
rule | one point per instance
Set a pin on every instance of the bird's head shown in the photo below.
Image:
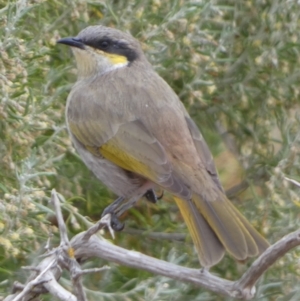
(100, 49)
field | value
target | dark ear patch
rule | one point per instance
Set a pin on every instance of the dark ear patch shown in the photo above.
(109, 45)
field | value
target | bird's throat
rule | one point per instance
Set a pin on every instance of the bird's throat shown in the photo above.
(97, 62)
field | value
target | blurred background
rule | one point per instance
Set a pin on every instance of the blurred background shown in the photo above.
(234, 64)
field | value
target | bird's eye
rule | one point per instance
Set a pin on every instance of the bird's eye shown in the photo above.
(104, 44)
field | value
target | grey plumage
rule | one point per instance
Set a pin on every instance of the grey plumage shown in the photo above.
(132, 131)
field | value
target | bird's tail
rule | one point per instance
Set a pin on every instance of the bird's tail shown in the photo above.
(216, 226)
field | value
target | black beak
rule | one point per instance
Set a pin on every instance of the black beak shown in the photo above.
(73, 42)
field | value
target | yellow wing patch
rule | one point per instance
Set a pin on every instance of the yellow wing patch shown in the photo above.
(125, 160)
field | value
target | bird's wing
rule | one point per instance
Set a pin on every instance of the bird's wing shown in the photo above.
(135, 149)
(132, 147)
(203, 151)
(128, 144)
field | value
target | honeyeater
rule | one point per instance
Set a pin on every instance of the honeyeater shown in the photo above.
(134, 134)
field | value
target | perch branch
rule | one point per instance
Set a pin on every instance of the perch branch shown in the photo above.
(86, 245)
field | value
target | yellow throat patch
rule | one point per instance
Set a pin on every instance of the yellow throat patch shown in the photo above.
(115, 59)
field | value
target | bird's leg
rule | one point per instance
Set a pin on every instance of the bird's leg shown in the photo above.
(116, 209)
(115, 223)
(150, 196)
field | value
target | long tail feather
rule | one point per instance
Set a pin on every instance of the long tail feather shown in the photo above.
(218, 225)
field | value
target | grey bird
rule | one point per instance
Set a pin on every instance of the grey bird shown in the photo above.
(134, 134)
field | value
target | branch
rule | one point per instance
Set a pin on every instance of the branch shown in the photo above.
(100, 248)
(267, 259)
(43, 280)
(86, 245)
(240, 289)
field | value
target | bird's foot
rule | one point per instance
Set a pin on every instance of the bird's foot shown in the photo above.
(111, 209)
(152, 197)
(117, 208)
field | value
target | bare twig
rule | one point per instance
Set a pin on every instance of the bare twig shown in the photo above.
(76, 274)
(19, 287)
(45, 281)
(157, 235)
(67, 258)
(64, 240)
(105, 221)
(30, 268)
(94, 270)
(35, 282)
(292, 181)
(56, 290)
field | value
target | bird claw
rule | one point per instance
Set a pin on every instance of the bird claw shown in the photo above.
(112, 209)
(116, 224)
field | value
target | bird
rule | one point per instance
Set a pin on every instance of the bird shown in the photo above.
(133, 132)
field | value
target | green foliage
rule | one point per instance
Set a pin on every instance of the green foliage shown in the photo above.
(235, 65)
